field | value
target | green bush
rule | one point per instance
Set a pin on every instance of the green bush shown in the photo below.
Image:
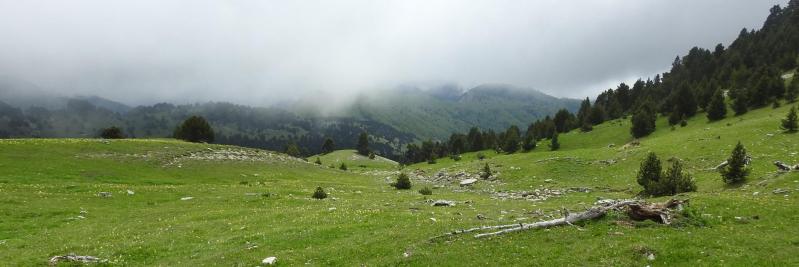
(319, 193)
(343, 166)
(486, 172)
(657, 183)
(425, 191)
(403, 182)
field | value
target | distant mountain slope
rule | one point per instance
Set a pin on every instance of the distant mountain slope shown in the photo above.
(393, 118)
(437, 113)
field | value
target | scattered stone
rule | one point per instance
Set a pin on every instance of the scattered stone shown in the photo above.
(780, 191)
(269, 261)
(130, 192)
(468, 182)
(650, 256)
(433, 219)
(782, 166)
(104, 194)
(481, 217)
(75, 258)
(331, 209)
(186, 198)
(756, 193)
(443, 203)
(548, 181)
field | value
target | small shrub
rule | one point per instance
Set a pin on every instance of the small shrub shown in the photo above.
(318, 161)
(486, 172)
(371, 155)
(425, 191)
(331, 166)
(319, 193)
(683, 123)
(403, 182)
(481, 156)
(455, 157)
(112, 133)
(343, 166)
(195, 129)
(554, 144)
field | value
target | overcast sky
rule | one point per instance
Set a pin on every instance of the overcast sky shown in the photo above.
(259, 52)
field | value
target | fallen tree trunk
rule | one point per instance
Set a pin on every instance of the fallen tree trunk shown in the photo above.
(636, 210)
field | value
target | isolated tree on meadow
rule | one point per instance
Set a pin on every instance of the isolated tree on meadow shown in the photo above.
(328, 146)
(716, 109)
(676, 181)
(554, 144)
(112, 132)
(486, 172)
(789, 124)
(195, 129)
(736, 170)
(363, 144)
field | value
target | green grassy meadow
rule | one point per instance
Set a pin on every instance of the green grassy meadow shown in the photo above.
(248, 204)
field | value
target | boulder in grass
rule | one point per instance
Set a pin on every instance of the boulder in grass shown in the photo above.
(468, 182)
(269, 261)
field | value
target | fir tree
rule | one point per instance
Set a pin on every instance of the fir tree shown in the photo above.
(736, 170)
(195, 129)
(649, 173)
(675, 181)
(789, 124)
(529, 142)
(792, 91)
(363, 144)
(511, 140)
(292, 150)
(318, 161)
(643, 122)
(716, 109)
(554, 144)
(328, 146)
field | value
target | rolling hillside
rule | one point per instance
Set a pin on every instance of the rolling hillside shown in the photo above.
(242, 205)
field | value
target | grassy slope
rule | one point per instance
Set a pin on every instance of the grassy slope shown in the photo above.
(354, 161)
(44, 184)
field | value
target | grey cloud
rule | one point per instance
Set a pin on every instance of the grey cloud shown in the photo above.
(259, 52)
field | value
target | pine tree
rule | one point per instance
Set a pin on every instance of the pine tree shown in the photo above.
(363, 144)
(716, 109)
(328, 146)
(292, 150)
(195, 129)
(343, 166)
(675, 181)
(736, 170)
(739, 104)
(649, 173)
(318, 161)
(403, 182)
(643, 121)
(789, 124)
(112, 132)
(554, 144)
(511, 140)
(529, 142)
(792, 91)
